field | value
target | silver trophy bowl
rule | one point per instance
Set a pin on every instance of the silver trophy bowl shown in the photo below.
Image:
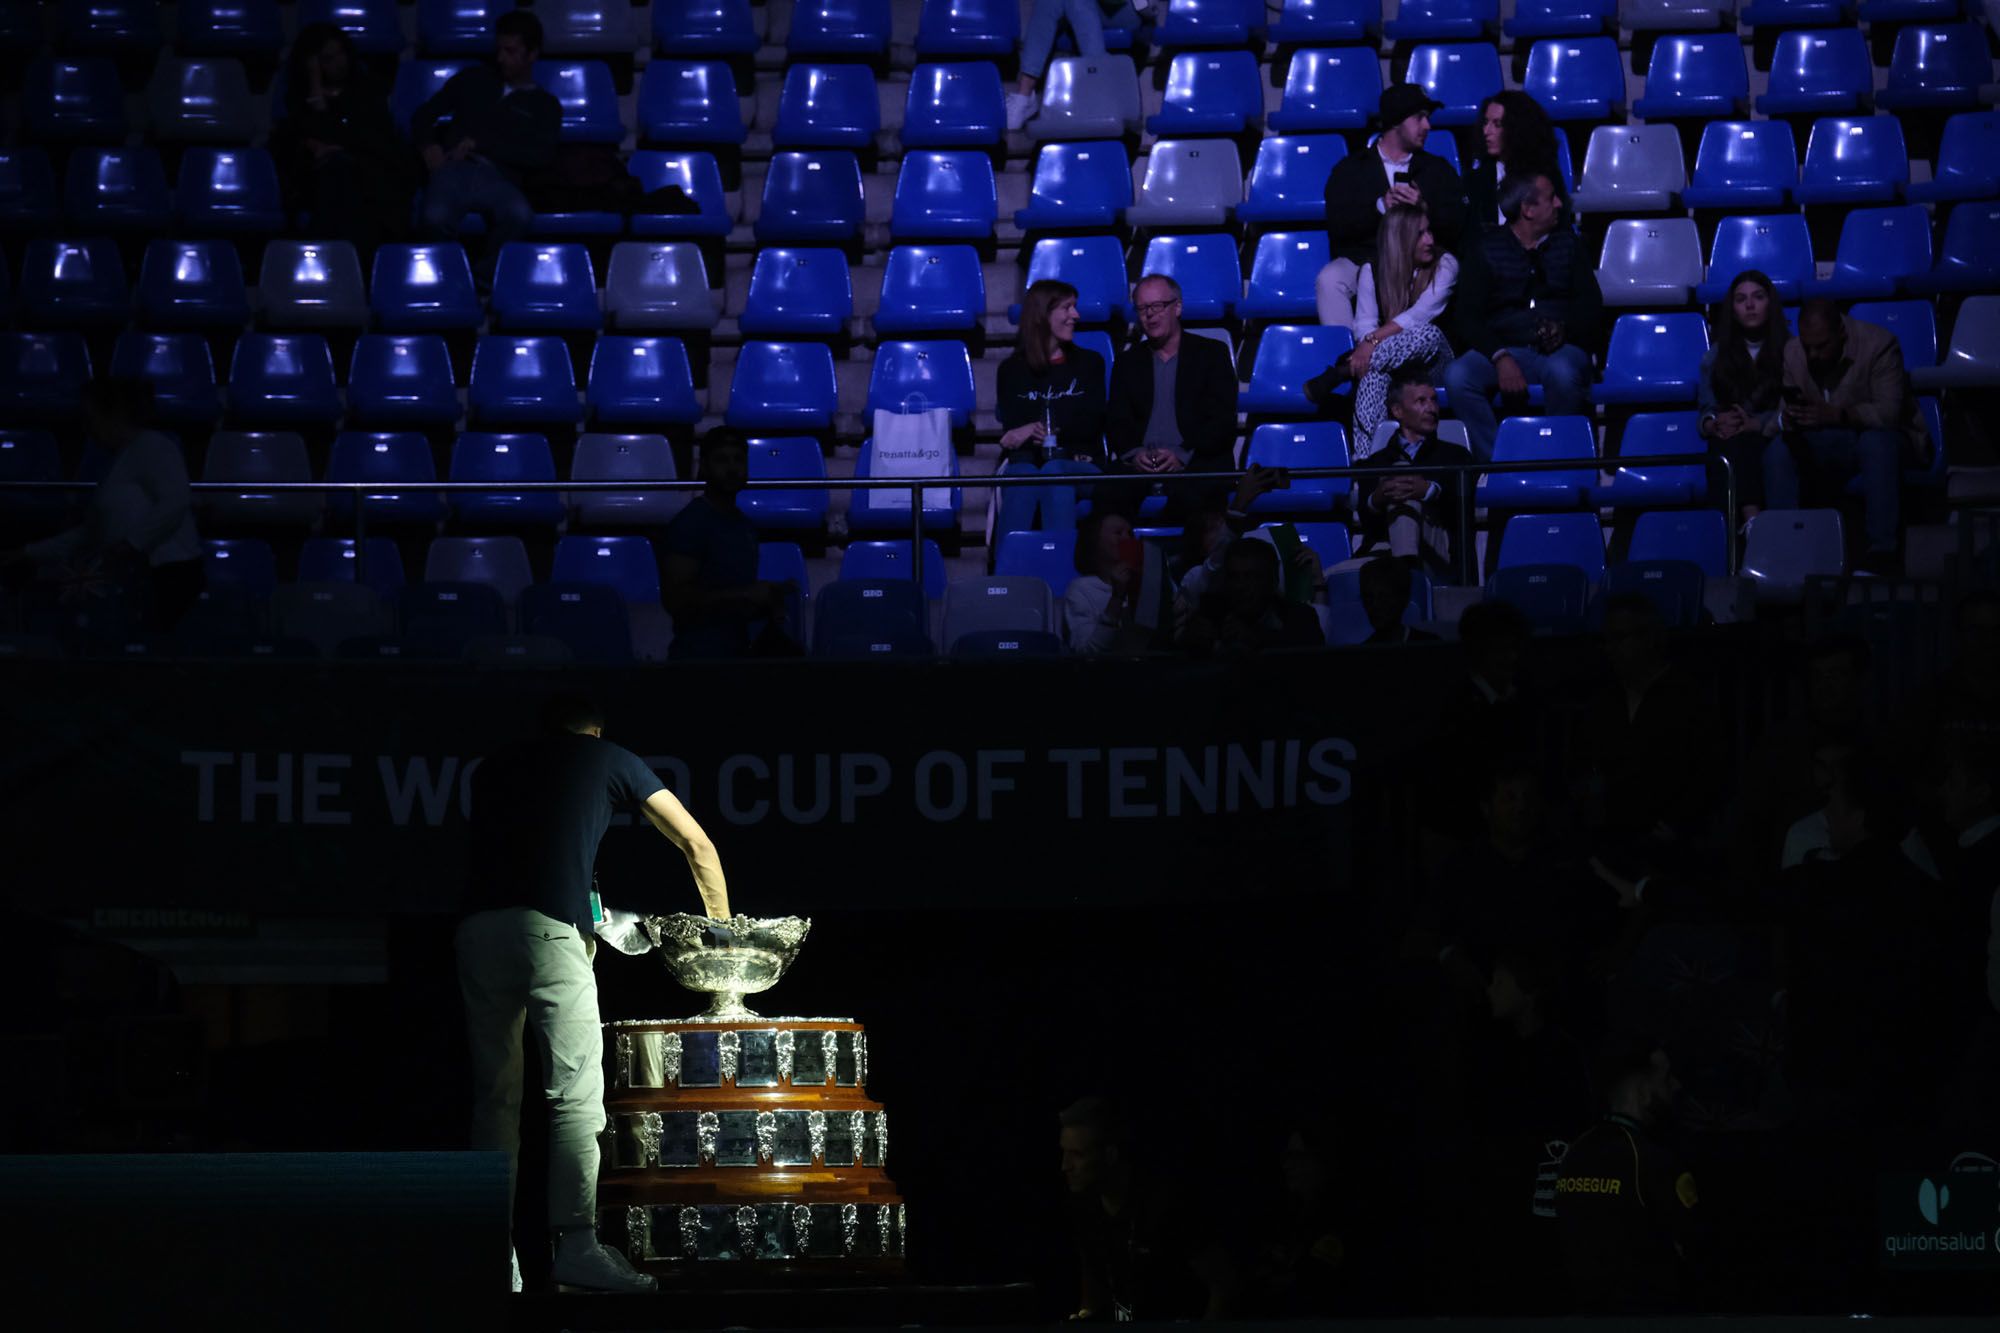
(727, 960)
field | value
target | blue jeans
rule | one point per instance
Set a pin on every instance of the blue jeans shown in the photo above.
(1564, 375)
(1058, 503)
(1876, 454)
(473, 186)
(1086, 21)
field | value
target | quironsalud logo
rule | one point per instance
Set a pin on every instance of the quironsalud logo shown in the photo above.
(1956, 1222)
(1932, 1200)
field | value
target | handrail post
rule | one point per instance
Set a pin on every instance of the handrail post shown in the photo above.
(1729, 513)
(360, 537)
(917, 534)
(1467, 559)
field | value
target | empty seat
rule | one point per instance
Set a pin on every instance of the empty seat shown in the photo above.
(246, 29)
(1005, 643)
(1304, 22)
(499, 563)
(1206, 267)
(523, 380)
(1577, 78)
(1528, 439)
(1631, 168)
(41, 375)
(1913, 322)
(798, 292)
(869, 611)
(880, 561)
(1857, 161)
(1778, 245)
(1087, 97)
(424, 288)
(589, 619)
(373, 24)
(1675, 588)
(245, 563)
(327, 615)
(1697, 536)
(589, 99)
(1909, 11)
(1676, 15)
(942, 196)
(179, 368)
(75, 99)
(417, 81)
(1968, 160)
(402, 379)
(439, 620)
(953, 106)
(920, 376)
(658, 285)
(1653, 359)
(1695, 78)
(458, 27)
(571, 28)
(1459, 76)
(1094, 265)
(375, 563)
(607, 457)
(695, 174)
(1555, 598)
(74, 282)
(1077, 185)
(1650, 262)
(1973, 358)
(1795, 13)
(541, 285)
(1044, 555)
(811, 197)
(1560, 18)
(1300, 445)
(228, 191)
(1651, 435)
(1743, 164)
(1782, 548)
(1210, 23)
(782, 386)
(1943, 66)
(1288, 179)
(283, 379)
(640, 382)
(382, 459)
(704, 27)
(1010, 604)
(27, 189)
(201, 101)
(1880, 250)
(791, 508)
(1215, 92)
(828, 106)
(500, 459)
(1189, 183)
(116, 189)
(958, 28)
(312, 285)
(689, 102)
(1819, 72)
(931, 289)
(192, 285)
(1554, 539)
(1329, 90)
(250, 458)
(1283, 271)
(1287, 356)
(888, 509)
(839, 27)
(1969, 258)
(1442, 20)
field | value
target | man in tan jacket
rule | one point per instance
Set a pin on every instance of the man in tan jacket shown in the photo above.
(1847, 410)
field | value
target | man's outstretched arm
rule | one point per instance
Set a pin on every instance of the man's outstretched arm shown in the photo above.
(672, 819)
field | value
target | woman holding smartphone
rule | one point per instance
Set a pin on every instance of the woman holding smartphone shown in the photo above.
(1101, 607)
(1741, 393)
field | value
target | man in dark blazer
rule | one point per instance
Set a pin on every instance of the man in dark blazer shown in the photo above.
(1413, 517)
(1172, 407)
(1394, 169)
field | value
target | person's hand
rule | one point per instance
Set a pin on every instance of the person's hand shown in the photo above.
(433, 157)
(1032, 433)
(1257, 482)
(1403, 193)
(1811, 415)
(1626, 889)
(1358, 359)
(1148, 460)
(463, 149)
(1512, 382)
(1549, 335)
(1731, 421)
(1308, 559)
(1404, 490)
(1170, 462)
(1124, 586)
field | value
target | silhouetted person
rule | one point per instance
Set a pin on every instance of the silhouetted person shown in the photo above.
(339, 153)
(1248, 612)
(1385, 597)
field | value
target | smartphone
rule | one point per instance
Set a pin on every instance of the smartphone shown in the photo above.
(1399, 178)
(1298, 582)
(1132, 554)
(1792, 395)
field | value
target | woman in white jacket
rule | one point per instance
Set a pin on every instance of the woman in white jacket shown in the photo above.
(1399, 301)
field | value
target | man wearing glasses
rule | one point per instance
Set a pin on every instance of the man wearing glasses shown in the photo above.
(1173, 403)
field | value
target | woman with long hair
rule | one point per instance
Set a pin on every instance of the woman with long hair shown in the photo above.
(1049, 398)
(1401, 296)
(340, 156)
(1741, 395)
(1516, 139)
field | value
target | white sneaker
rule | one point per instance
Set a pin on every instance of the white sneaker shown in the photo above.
(1020, 107)
(514, 1262)
(596, 1267)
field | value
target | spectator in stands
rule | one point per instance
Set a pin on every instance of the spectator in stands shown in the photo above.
(1489, 713)
(1103, 608)
(1810, 838)
(1517, 140)
(1173, 403)
(1050, 401)
(1412, 516)
(1205, 538)
(138, 533)
(711, 587)
(339, 154)
(1365, 186)
(1301, 1265)
(1528, 307)
(1403, 294)
(1847, 410)
(1742, 376)
(483, 134)
(1784, 778)
(1385, 595)
(1087, 21)
(1249, 610)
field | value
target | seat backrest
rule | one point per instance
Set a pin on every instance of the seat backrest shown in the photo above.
(1094, 265)
(787, 280)
(27, 187)
(926, 280)
(968, 27)
(1208, 82)
(1002, 602)
(947, 103)
(74, 98)
(945, 194)
(373, 24)
(439, 619)
(1947, 56)
(1298, 445)
(297, 366)
(179, 368)
(417, 81)
(1531, 439)
(1778, 244)
(380, 456)
(822, 186)
(1746, 152)
(1206, 267)
(720, 27)
(312, 284)
(1002, 643)
(115, 187)
(1895, 241)
(1554, 596)
(1698, 536)
(658, 284)
(627, 564)
(576, 27)
(782, 385)
(589, 100)
(1844, 150)
(1290, 354)
(1654, 347)
(192, 99)
(328, 614)
(827, 105)
(846, 27)
(1461, 76)
(458, 27)
(1651, 252)
(1286, 265)
(424, 286)
(375, 564)
(501, 563)
(1674, 587)
(1199, 172)
(1702, 65)
(1972, 235)
(545, 284)
(1574, 77)
(1633, 157)
(1975, 337)
(1913, 322)
(911, 376)
(235, 188)
(1969, 153)
(1785, 547)
(86, 276)
(192, 282)
(1047, 556)
(886, 608)
(237, 455)
(1289, 174)
(1554, 539)
(696, 173)
(1098, 95)
(1332, 89)
(1821, 60)
(690, 101)
(1074, 177)
(876, 560)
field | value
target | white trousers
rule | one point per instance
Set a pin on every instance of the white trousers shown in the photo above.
(1334, 290)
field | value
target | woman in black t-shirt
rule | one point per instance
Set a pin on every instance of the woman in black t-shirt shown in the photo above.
(1050, 402)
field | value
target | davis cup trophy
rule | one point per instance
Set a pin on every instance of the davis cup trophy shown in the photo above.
(736, 1139)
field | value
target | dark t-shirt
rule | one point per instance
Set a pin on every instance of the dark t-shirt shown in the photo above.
(1141, 1260)
(1626, 1210)
(723, 545)
(538, 813)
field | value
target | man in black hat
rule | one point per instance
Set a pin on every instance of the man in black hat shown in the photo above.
(1394, 169)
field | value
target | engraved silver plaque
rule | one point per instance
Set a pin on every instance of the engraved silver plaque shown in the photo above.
(701, 1060)
(846, 1067)
(841, 1147)
(809, 1064)
(757, 1065)
(736, 1139)
(793, 1145)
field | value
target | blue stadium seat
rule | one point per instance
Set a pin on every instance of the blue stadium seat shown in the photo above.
(811, 197)
(958, 29)
(417, 81)
(73, 99)
(376, 564)
(1654, 359)
(1858, 161)
(1937, 67)
(440, 620)
(1287, 356)
(658, 285)
(1880, 250)
(1554, 597)
(1778, 245)
(640, 382)
(458, 27)
(1088, 98)
(1213, 92)
(1282, 275)
(828, 106)
(985, 644)
(1000, 609)
(1446, 147)
(1094, 265)
(523, 380)
(228, 191)
(41, 375)
(1973, 357)
(602, 456)
(931, 289)
(1535, 440)
(1307, 444)
(68, 283)
(1333, 89)
(1795, 13)
(1819, 72)
(482, 456)
(201, 101)
(1969, 258)
(954, 106)
(1443, 20)
(889, 510)
(1909, 11)
(1968, 161)
(1047, 556)
(798, 292)
(1913, 322)
(628, 566)
(699, 176)
(108, 27)
(1189, 183)
(179, 368)
(402, 379)
(251, 458)
(27, 190)
(915, 376)
(1459, 76)
(373, 24)
(312, 285)
(545, 286)
(587, 28)
(589, 99)
(1226, 23)
(247, 563)
(782, 386)
(283, 379)
(788, 458)
(1560, 18)
(868, 610)
(1554, 539)
(1288, 179)
(1675, 588)
(1206, 267)
(1079, 185)
(880, 561)
(1695, 77)
(424, 288)
(704, 27)
(1743, 164)
(1650, 262)
(1782, 548)
(1655, 435)
(590, 620)
(246, 29)
(1577, 78)
(1310, 22)
(945, 196)
(381, 459)
(839, 28)
(116, 189)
